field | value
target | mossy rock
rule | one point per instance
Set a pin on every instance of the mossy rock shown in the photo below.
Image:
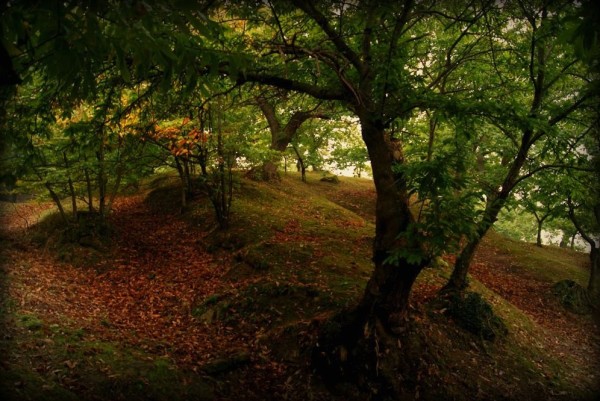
(474, 314)
(573, 296)
(332, 179)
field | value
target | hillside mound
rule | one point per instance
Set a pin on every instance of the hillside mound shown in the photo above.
(178, 309)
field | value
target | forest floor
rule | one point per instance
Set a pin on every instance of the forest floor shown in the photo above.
(173, 309)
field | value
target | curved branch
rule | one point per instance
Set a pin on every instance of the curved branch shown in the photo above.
(577, 225)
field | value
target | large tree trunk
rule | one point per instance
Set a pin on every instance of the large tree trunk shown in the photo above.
(352, 352)
(386, 296)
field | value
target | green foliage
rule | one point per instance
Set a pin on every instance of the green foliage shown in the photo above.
(517, 224)
(447, 209)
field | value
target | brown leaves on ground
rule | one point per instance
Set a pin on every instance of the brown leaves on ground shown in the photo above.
(141, 295)
(574, 335)
(144, 293)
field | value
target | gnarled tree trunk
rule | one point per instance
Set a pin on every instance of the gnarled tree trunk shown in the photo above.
(386, 296)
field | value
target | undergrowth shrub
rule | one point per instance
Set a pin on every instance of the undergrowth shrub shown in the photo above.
(573, 296)
(471, 312)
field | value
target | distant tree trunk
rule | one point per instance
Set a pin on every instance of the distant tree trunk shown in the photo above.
(281, 136)
(57, 201)
(71, 189)
(564, 241)
(539, 233)
(184, 184)
(115, 189)
(102, 178)
(88, 183)
(301, 165)
(594, 281)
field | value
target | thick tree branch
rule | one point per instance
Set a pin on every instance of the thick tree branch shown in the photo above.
(269, 113)
(331, 93)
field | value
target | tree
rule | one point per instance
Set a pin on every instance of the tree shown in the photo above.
(364, 55)
(583, 203)
(85, 154)
(544, 66)
(282, 134)
(541, 197)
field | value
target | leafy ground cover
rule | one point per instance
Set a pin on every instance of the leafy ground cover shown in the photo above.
(175, 309)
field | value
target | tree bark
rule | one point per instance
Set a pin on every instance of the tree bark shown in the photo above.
(385, 299)
(458, 278)
(539, 233)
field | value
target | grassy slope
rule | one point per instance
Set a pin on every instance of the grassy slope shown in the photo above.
(296, 254)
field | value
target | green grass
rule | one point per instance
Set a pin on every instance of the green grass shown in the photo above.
(549, 263)
(71, 365)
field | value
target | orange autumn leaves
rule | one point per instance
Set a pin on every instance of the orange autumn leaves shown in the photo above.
(180, 139)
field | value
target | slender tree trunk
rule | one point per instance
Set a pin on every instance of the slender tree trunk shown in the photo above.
(115, 189)
(71, 188)
(88, 183)
(594, 281)
(184, 186)
(495, 203)
(539, 233)
(300, 163)
(57, 201)
(564, 241)
(101, 176)
(458, 278)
